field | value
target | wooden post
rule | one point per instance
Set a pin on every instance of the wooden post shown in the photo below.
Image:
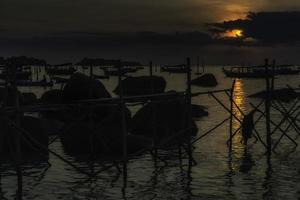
(17, 138)
(231, 115)
(198, 65)
(273, 75)
(267, 108)
(124, 127)
(37, 73)
(91, 71)
(153, 115)
(150, 68)
(189, 102)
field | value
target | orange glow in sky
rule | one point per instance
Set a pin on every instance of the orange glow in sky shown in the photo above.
(236, 33)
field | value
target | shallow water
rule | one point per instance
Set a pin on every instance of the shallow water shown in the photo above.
(217, 175)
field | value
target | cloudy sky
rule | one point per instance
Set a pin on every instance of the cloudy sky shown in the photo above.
(32, 26)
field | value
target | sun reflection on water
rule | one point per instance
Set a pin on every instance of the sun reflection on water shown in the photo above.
(240, 100)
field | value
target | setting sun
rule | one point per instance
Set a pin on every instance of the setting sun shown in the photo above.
(234, 33)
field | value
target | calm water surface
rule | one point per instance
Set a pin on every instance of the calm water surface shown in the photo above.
(217, 175)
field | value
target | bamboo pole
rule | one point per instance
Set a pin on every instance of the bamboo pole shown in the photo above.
(231, 117)
(37, 73)
(17, 138)
(198, 65)
(124, 127)
(153, 115)
(267, 110)
(91, 71)
(150, 69)
(189, 102)
(273, 75)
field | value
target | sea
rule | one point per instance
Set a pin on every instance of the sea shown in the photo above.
(217, 173)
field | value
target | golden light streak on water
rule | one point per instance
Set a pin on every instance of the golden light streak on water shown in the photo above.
(240, 99)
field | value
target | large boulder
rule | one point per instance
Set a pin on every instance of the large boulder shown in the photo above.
(170, 119)
(142, 85)
(33, 143)
(206, 80)
(8, 95)
(198, 111)
(103, 138)
(81, 87)
(52, 97)
(29, 98)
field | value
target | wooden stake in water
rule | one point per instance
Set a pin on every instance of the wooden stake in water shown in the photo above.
(267, 108)
(231, 115)
(124, 127)
(17, 139)
(150, 68)
(273, 75)
(189, 102)
(198, 65)
(37, 72)
(153, 114)
(91, 71)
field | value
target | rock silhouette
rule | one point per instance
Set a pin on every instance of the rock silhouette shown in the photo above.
(142, 85)
(81, 87)
(206, 80)
(198, 111)
(36, 134)
(29, 98)
(170, 117)
(103, 137)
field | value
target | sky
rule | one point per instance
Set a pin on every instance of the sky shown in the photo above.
(104, 28)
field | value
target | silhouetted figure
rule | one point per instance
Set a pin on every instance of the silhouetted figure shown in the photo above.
(247, 126)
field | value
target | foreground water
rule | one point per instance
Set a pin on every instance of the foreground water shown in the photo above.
(217, 175)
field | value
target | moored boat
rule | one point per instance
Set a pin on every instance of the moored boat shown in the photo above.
(174, 69)
(29, 83)
(260, 71)
(20, 75)
(61, 71)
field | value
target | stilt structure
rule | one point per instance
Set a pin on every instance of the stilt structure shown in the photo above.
(185, 148)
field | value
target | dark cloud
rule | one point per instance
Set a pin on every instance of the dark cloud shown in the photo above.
(266, 27)
(113, 39)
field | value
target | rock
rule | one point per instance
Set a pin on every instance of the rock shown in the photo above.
(29, 99)
(7, 96)
(170, 117)
(206, 80)
(198, 111)
(51, 97)
(51, 125)
(81, 87)
(103, 138)
(24, 98)
(29, 146)
(142, 85)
